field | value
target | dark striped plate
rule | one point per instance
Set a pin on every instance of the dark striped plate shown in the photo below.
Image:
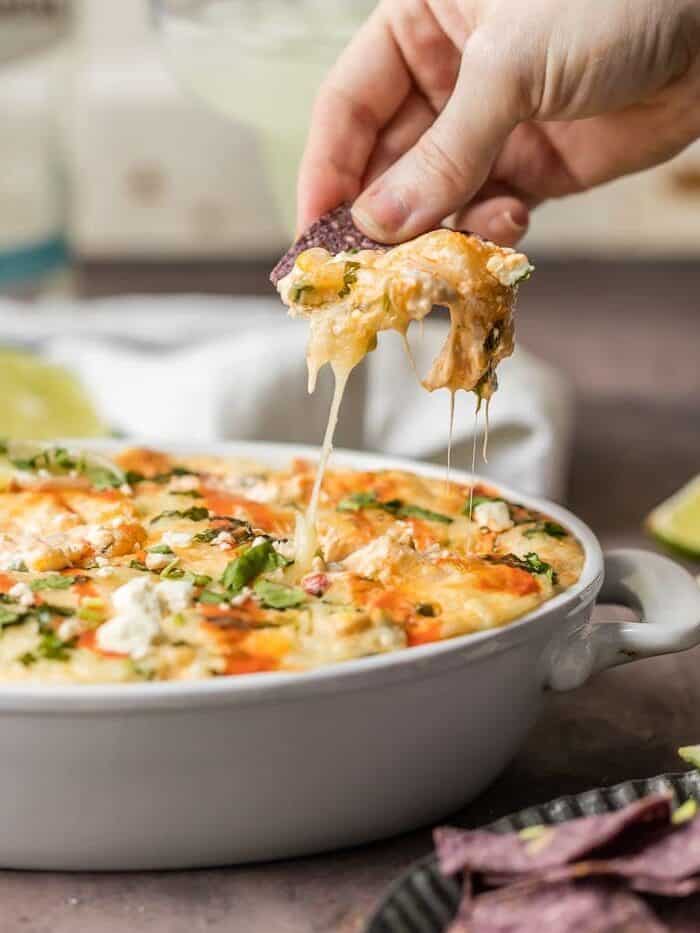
(423, 900)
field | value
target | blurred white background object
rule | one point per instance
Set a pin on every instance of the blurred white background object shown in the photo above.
(233, 367)
(157, 175)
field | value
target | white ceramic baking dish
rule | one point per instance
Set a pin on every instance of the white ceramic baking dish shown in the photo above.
(267, 765)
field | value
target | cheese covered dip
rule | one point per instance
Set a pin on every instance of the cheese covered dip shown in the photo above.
(149, 566)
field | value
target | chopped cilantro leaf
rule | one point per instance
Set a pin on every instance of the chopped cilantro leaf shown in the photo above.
(278, 595)
(426, 609)
(54, 581)
(548, 528)
(160, 478)
(532, 563)
(298, 290)
(198, 579)
(172, 571)
(358, 500)
(59, 461)
(478, 500)
(539, 566)
(493, 338)
(46, 611)
(349, 278)
(415, 511)
(250, 564)
(196, 514)
(11, 616)
(211, 597)
(368, 500)
(53, 649)
(206, 537)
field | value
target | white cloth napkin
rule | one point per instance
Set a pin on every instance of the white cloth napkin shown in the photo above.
(199, 368)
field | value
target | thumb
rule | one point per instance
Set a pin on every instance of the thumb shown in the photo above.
(452, 159)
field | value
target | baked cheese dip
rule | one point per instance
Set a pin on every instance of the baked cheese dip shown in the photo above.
(144, 565)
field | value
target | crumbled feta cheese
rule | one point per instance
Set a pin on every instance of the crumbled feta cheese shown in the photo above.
(137, 622)
(137, 596)
(258, 488)
(184, 483)
(258, 539)
(241, 597)
(101, 561)
(132, 635)
(508, 266)
(74, 549)
(493, 515)
(68, 629)
(224, 540)
(284, 548)
(22, 593)
(98, 537)
(104, 571)
(13, 562)
(174, 595)
(177, 539)
(157, 561)
(376, 559)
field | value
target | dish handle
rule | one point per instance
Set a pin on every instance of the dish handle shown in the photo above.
(667, 599)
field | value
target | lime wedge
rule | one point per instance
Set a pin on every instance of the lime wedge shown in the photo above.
(691, 754)
(41, 401)
(676, 522)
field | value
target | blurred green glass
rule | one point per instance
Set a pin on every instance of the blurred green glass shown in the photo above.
(260, 62)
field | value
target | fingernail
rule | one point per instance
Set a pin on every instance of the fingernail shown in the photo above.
(382, 213)
(516, 220)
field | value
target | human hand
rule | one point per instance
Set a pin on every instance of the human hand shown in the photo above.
(546, 99)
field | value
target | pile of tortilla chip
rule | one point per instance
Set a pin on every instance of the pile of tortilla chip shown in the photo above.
(637, 869)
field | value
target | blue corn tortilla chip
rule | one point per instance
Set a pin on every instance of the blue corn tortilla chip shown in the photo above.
(679, 916)
(511, 854)
(566, 907)
(610, 869)
(335, 231)
(662, 860)
(462, 920)
(672, 854)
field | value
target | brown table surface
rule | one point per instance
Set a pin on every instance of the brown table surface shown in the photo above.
(629, 336)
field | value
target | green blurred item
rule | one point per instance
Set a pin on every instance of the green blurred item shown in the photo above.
(676, 522)
(41, 401)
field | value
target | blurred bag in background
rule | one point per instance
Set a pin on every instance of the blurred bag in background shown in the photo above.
(34, 257)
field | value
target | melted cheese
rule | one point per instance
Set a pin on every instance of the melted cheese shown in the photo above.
(349, 298)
